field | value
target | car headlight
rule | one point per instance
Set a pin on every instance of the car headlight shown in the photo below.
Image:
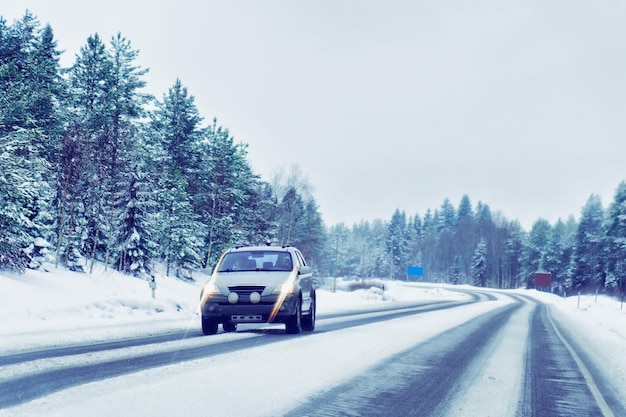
(209, 289)
(285, 288)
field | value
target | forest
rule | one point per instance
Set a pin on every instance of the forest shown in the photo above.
(92, 169)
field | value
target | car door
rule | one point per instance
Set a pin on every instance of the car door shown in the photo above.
(305, 276)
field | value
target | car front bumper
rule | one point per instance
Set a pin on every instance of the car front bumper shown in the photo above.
(269, 308)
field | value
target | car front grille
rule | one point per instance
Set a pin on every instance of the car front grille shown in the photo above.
(246, 290)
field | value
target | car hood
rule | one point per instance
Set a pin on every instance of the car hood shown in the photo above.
(267, 279)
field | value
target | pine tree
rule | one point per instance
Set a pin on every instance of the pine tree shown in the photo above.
(22, 191)
(513, 255)
(446, 249)
(106, 106)
(177, 228)
(559, 251)
(448, 216)
(587, 272)
(486, 229)
(31, 88)
(465, 238)
(16, 44)
(616, 241)
(84, 200)
(30, 95)
(134, 242)
(429, 243)
(177, 123)
(537, 249)
(222, 190)
(125, 102)
(498, 254)
(414, 240)
(396, 244)
(175, 133)
(479, 265)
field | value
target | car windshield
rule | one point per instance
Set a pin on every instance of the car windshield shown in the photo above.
(256, 261)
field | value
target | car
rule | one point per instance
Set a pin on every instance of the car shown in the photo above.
(259, 284)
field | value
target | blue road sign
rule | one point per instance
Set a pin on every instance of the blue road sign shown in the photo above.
(415, 271)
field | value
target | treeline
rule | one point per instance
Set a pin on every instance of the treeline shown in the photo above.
(92, 169)
(474, 246)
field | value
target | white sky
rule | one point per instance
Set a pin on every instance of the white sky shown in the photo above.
(393, 104)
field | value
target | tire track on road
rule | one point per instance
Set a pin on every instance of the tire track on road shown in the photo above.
(21, 389)
(557, 381)
(418, 382)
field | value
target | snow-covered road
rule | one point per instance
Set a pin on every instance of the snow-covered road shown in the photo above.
(501, 353)
(270, 379)
(466, 360)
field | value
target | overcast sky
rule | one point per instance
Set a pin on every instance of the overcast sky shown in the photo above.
(392, 104)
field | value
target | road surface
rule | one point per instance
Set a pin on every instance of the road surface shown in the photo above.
(494, 354)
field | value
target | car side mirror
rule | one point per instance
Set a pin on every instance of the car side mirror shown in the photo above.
(305, 270)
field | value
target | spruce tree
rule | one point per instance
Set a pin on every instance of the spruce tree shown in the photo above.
(22, 191)
(616, 241)
(134, 244)
(513, 258)
(174, 131)
(30, 93)
(587, 272)
(559, 252)
(479, 265)
(465, 237)
(222, 189)
(396, 245)
(537, 249)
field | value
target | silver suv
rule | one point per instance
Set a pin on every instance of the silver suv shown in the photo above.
(259, 284)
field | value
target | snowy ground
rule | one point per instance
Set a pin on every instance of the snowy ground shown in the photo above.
(44, 309)
(55, 307)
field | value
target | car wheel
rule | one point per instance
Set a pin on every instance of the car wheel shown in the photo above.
(308, 321)
(229, 326)
(209, 326)
(294, 323)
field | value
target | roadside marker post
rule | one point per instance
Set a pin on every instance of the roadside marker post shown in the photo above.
(153, 286)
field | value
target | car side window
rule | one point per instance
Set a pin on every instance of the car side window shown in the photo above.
(301, 260)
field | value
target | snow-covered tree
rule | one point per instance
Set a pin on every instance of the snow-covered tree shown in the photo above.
(31, 92)
(616, 241)
(465, 239)
(513, 257)
(176, 125)
(559, 251)
(222, 190)
(134, 246)
(31, 88)
(587, 271)
(22, 192)
(396, 244)
(537, 249)
(479, 265)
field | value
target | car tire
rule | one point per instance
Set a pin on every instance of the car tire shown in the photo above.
(209, 326)
(229, 326)
(308, 321)
(294, 323)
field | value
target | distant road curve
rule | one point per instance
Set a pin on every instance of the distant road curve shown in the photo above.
(462, 372)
